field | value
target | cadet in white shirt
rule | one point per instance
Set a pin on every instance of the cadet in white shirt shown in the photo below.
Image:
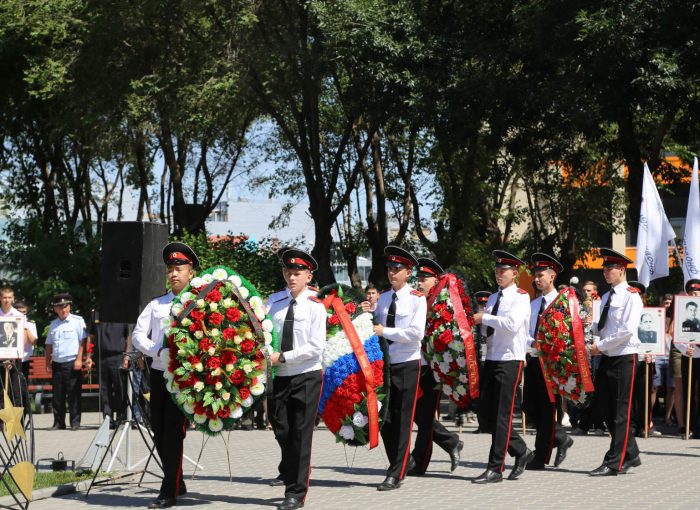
(505, 324)
(400, 320)
(540, 411)
(617, 329)
(299, 318)
(167, 421)
(430, 430)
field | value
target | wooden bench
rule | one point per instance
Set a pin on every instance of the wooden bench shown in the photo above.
(39, 383)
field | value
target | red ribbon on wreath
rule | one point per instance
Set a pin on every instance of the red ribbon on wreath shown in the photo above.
(359, 350)
(465, 331)
(579, 346)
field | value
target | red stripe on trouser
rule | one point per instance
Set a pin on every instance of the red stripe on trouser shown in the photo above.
(178, 476)
(410, 426)
(308, 472)
(510, 420)
(629, 413)
(429, 448)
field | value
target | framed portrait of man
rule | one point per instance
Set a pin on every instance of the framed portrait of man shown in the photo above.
(11, 337)
(686, 319)
(652, 331)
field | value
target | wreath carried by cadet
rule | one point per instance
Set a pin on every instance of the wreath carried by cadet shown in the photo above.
(450, 348)
(355, 374)
(561, 349)
(219, 341)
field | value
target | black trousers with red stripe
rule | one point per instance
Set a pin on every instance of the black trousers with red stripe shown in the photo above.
(429, 429)
(499, 382)
(396, 431)
(541, 412)
(615, 387)
(292, 408)
(168, 425)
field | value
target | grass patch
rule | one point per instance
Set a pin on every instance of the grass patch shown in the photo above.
(45, 479)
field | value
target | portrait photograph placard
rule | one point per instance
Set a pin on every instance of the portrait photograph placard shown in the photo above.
(652, 331)
(11, 337)
(686, 319)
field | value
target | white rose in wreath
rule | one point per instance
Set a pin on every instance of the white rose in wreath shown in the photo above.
(359, 419)
(220, 274)
(200, 418)
(196, 283)
(215, 425)
(347, 432)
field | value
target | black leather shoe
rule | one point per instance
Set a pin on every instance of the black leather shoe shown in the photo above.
(561, 452)
(603, 471)
(162, 503)
(276, 482)
(488, 476)
(455, 455)
(389, 484)
(536, 465)
(636, 462)
(290, 504)
(521, 464)
(412, 467)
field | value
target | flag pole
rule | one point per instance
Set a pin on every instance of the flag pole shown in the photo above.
(687, 407)
(646, 399)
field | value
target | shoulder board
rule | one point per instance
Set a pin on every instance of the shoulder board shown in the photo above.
(315, 299)
(311, 287)
(280, 299)
(633, 290)
(521, 291)
(417, 293)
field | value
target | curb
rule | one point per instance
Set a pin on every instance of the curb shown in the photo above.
(63, 490)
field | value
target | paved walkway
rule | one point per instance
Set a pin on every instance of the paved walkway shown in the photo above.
(346, 478)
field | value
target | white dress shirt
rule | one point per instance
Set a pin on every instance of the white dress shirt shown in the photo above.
(409, 323)
(510, 325)
(534, 313)
(619, 335)
(309, 331)
(149, 331)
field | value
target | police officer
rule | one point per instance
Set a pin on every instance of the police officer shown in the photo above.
(299, 318)
(429, 428)
(400, 320)
(539, 410)
(167, 421)
(617, 328)
(505, 324)
(65, 344)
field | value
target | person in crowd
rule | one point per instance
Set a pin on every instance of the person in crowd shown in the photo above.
(691, 354)
(299, 318)
(618, 343)
(673, 401)
(30, 338)
(110, 341)
(591, 417)
(65, 345)
(371, 296)
(400, 315)
(538, 409)
(505, 324)
(430, 430)
(168, 423)
(18, 385)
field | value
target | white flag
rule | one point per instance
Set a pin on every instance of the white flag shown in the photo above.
(654, 234)
(691, 235)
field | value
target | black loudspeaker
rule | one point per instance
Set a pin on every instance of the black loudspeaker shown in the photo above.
(132, 271)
